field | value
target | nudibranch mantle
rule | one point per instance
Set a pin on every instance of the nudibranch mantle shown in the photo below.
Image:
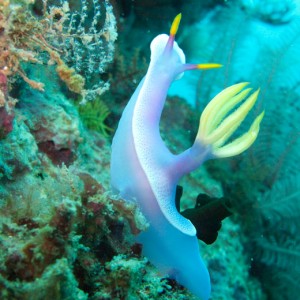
(144, 170)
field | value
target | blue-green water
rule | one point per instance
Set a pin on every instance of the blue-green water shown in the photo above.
(67, 70)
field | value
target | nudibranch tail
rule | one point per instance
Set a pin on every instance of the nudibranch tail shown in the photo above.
(216, 127)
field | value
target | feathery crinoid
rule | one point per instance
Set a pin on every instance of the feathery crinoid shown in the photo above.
(277, 246)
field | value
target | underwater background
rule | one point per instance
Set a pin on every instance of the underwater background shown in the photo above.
(67, 70)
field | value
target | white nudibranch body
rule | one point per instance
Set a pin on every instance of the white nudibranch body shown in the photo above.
(144, 170)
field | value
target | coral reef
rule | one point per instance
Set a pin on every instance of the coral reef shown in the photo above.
(67, 34)
(6, 113)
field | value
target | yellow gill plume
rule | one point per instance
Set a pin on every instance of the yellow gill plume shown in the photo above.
(216, 126)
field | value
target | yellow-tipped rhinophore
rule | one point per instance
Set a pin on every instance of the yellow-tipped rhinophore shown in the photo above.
(175, 25)
(216, 127)
(208, 66)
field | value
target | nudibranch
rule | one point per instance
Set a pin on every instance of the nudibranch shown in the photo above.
(144, 170)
